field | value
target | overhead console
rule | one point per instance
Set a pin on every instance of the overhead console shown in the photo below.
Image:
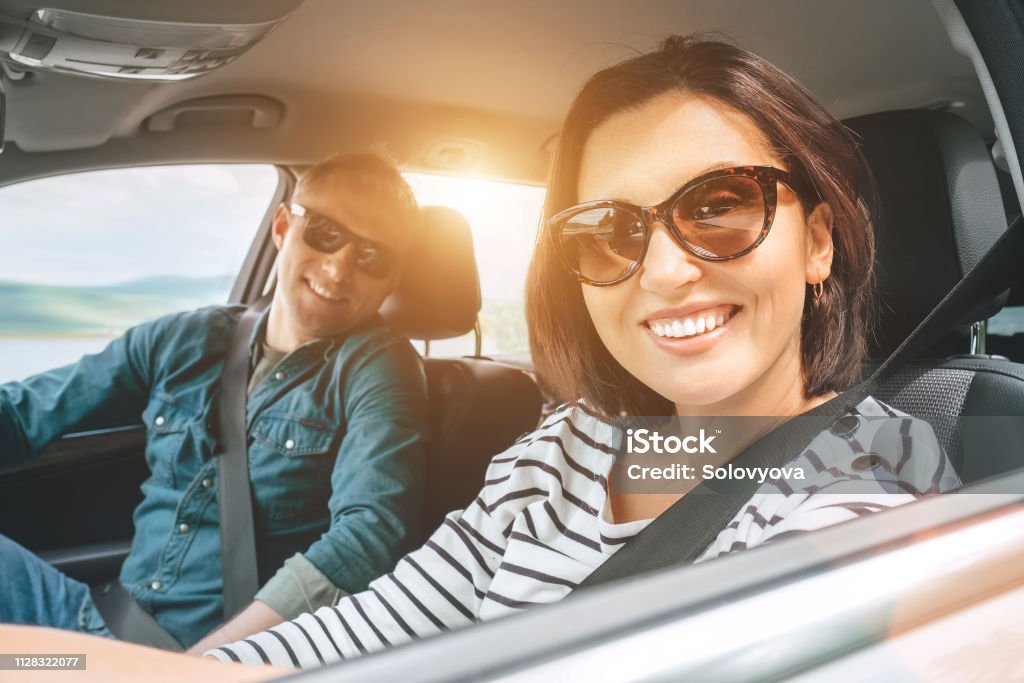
(192, 42)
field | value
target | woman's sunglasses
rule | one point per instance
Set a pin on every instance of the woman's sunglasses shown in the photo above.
(718, 216)
(326, 236)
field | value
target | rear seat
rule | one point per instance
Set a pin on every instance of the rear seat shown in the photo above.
(478, 406)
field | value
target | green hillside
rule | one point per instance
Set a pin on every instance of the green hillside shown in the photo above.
(30, 309)
(57, 311)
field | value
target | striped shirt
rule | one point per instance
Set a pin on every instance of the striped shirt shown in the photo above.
(542, 523)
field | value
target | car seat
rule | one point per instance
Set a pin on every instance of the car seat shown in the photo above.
(478, 406)
(940, 212)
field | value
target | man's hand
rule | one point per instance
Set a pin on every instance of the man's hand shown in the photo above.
(255, 618)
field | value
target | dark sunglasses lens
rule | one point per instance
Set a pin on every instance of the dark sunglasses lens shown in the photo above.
(327, 237)
(324, 236)
(373, 260)
(602, 245)
(721, 217)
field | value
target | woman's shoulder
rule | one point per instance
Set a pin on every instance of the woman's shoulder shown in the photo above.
(573, 438)
(576, 428)
(877, 447)
(875, 407)
(876, 420)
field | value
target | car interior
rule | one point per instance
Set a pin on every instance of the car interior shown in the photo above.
(940, 206)
(478, 406)
(476, 90)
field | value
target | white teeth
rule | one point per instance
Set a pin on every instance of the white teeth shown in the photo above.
(323, 292)
(687, 327)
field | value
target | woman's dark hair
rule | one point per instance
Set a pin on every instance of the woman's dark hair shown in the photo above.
(569, 355)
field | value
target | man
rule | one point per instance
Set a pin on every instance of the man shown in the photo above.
(335, 423)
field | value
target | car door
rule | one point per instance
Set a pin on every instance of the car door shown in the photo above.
(87, 255)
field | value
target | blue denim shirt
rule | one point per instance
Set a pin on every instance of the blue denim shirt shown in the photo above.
(336, 438)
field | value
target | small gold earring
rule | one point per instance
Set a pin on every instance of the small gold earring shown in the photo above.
(818, 288)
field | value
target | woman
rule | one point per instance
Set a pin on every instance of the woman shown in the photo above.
(705, 254)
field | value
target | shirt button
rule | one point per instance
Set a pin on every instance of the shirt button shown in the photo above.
(289, 444)
(279, 376)
(868, 461)
(207, 483)
(844, 427)
(159, 421)
(184, 528)
(155, 585)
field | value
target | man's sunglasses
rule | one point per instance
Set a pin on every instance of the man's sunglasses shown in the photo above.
(326, 236)
(718, 216)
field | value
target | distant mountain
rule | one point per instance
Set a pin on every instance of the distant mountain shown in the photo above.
(28, 309)
(180, 286)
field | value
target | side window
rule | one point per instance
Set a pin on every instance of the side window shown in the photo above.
(1007, 322)
(87, 255)
(504, 218)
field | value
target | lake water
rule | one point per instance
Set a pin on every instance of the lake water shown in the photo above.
(21, 357)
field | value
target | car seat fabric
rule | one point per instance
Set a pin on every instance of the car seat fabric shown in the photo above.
(940, 212)
(934, 394)
(438, 296)
(477, 406)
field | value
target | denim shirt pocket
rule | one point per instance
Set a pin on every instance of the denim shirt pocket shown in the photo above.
(166, 426)
(290, 460)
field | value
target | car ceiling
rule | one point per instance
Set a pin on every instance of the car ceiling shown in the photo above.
(489, 79)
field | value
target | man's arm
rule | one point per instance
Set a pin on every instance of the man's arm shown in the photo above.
(253, 619)
(377, 483)
(296, 588)
(111, 661)
(107, 389)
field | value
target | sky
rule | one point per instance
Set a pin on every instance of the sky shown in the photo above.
(113, 226)
(107, 227)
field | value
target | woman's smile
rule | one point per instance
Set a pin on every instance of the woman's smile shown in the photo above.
(688, 331)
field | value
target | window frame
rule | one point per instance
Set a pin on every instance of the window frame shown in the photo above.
(76, 447)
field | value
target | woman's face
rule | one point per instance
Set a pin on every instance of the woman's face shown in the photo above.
(750, 365)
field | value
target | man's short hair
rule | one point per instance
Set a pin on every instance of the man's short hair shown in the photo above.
(366, 170)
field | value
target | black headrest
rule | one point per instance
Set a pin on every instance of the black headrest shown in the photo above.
(439, 294)
(940, 212)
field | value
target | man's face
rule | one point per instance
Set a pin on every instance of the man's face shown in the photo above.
(326, 294)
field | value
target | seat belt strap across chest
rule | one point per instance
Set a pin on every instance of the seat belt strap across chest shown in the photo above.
(681, 533)
(237, 532)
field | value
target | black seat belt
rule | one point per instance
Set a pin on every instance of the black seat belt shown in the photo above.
(237, 532)
(686, 529)
(681, 533)
(125, 618)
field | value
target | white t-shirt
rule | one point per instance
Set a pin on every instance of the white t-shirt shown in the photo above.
(541, 524)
